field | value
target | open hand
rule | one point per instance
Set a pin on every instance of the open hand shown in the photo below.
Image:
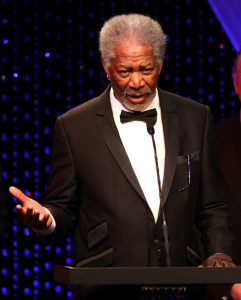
(32, 214)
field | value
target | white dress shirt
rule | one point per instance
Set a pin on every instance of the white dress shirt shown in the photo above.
(139, 148)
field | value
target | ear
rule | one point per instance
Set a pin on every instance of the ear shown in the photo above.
(104, 66)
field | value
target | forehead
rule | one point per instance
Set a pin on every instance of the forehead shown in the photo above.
(133, 51)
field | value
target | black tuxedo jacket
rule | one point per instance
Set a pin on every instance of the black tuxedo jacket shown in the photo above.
(228, 134)
(93, 191)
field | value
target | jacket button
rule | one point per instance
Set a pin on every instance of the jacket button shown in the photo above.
(155, 242)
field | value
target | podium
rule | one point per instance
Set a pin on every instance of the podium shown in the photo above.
(174, 278)
(146, 275)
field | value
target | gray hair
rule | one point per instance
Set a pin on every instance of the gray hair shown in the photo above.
(236, 71)
(143, 28)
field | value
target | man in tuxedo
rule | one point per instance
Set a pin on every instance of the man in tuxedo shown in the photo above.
(134, 171)
(228, 134)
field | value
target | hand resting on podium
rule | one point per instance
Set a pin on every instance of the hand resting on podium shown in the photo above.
(223, 260)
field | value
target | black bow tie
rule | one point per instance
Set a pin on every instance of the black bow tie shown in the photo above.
(148, 116)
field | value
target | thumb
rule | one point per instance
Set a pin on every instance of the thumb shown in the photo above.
(19, 195)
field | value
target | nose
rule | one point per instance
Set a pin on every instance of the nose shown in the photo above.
(136, 80)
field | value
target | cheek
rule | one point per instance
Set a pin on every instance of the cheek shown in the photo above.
(152, 82)
(119, 84)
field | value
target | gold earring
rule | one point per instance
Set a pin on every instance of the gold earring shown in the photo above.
(108, 77)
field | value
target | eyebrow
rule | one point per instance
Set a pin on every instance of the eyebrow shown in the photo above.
(141, 66)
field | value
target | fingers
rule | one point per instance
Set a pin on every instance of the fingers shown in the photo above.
(45, 219)
(41, 221)
(27, 214)
(223, 263)
(217, 263)
(19, 195)
(33, 218)
(31, 213)
(218, 260)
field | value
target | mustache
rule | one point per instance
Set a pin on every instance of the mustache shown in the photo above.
(137, 92)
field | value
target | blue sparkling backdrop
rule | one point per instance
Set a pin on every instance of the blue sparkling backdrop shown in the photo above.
(49, 64)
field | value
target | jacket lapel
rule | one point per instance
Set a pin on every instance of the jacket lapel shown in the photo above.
(105, 123)
(170, 128)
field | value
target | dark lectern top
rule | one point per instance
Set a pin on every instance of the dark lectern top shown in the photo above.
(147, 275)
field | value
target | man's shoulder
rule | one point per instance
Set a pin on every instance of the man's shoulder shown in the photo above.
(88, 107)
(179, 102)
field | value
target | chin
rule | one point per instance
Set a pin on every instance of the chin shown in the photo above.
(137, 106)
